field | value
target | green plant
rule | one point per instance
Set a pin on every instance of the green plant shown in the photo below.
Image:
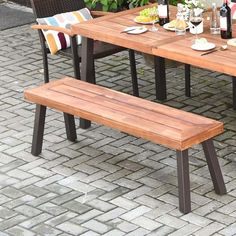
(137, 3)
(106, 5)
(174, 2)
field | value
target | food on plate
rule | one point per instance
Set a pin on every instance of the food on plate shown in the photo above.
(144, 19)
(232, 42)
(201, 41)
(178, 24)
(172, 24)
(147, 15)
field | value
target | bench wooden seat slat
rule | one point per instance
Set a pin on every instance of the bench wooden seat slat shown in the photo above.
(138, 102)
(155, 122)
(134, 115)
(117, 104)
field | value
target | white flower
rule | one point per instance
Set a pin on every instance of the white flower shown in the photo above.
(194, 4)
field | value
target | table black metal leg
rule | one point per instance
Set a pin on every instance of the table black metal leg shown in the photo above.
(187, 80)
(234, 91)
(39, 122)
(75, 56)
(133, 72)
(160, 77)
(183, 181)
(87, 70)
(214, 167)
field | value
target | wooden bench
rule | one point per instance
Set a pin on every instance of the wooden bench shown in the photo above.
(158, 123)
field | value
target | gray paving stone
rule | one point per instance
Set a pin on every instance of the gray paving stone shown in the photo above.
(31, 222)
(11, 222)
(146, 223)
(114, 232)
(127, 226)
(87, 216)
(6, 213)
(106, 175)
(61, 218)
(230, 230)
(90, 233)
(162, 231)
(46, 230)
(76, 207)
(124, 203)
(52, 208)
(132, 214)
(138, 232)
(71, 228)
(105, 185)
(114, 194)
(221, 218)
(27, 210)
(138, 192)
(110, 215)
(148, 201)
(126, 183)
(100, 205)
(196, 219)
(186, 230)
(19, 231)
(97, 226)
(210, 229)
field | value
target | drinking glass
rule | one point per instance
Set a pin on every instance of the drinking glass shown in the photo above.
(195, 19)
(153, 15)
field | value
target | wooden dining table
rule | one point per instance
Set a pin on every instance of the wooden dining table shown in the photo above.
(162, 44)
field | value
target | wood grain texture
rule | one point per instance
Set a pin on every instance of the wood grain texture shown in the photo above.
(162, 43)
(155, 122)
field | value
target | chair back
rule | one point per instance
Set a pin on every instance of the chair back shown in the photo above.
(45, 8)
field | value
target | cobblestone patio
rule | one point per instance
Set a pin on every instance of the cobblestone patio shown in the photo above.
(107, 183)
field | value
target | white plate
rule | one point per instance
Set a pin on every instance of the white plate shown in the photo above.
(203, 46)
(137, 30)
(144, 23)
(166, 26)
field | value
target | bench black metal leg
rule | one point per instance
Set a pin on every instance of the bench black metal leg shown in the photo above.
(183, 181)
(214, 167)
(133, 72)
(87, 70)
(39, 122)
(70, 127)
(187, 80)
(234, 91)
(160, 77)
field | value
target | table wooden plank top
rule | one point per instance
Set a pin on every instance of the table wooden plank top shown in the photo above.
(220, 61)
(108, 29)
(162, 43)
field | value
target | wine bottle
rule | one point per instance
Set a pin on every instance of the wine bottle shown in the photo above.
(163, 11)
(225, 21)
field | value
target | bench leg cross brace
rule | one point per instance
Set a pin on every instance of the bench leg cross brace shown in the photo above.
(214, 167)
(183, 181)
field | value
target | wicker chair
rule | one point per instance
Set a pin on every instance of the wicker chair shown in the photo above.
(46, 8)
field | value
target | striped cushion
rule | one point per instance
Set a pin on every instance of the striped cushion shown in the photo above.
(57, 40)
